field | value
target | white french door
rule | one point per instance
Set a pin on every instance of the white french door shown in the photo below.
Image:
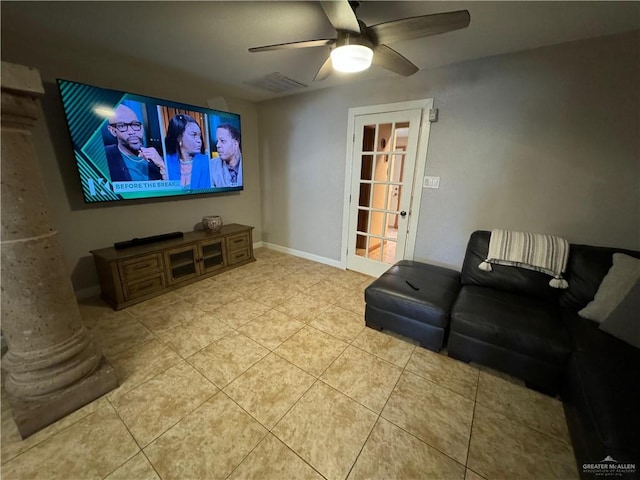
(383, 162)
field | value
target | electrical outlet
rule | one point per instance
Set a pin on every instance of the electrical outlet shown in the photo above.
(431, 182)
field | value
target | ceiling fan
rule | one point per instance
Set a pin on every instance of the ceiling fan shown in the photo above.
(357, 46)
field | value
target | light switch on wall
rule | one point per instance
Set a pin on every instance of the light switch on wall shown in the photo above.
(431, 182)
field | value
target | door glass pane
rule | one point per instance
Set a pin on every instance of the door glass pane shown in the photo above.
(379, 195)
(366, 170)
(363, 220)
(384, 224)
(182, 258)
(377, 227)
(361, 245)
(384, 137)
(183, 271)
(389, 251)
(368, 138)
(400, 136)
(182, 264)
(392, 226)
(396, 168)
(212, 250)
(392, 198)
(395, 197)
(374, 248)
(382, 168)
(364, 199)
(212, 255)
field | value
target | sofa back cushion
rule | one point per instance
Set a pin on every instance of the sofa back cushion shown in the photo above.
(586, 267)
(505, 278)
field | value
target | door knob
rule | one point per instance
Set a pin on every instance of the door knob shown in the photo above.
(403, 214)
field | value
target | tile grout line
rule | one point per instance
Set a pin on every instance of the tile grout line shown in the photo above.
(404, 370)
(516, 420)
(473, 417)
(379, 415)
(257, 444)
(48, 437)
(132, 437)
(182, 360)
(270, 430)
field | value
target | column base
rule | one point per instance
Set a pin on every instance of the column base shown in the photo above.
(33, 415)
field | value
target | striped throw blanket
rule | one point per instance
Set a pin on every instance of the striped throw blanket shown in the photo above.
(533, 251)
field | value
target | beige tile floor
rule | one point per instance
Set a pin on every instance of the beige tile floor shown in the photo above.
(268, 372)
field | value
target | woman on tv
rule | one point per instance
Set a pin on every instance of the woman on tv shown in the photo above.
(186, 160)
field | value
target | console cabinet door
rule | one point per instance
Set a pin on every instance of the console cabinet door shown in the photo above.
(182, 263)
(212, 255)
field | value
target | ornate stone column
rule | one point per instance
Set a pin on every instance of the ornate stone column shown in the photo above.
(52, 367)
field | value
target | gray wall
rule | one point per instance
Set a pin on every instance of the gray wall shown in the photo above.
(82, 227)
(544, 141)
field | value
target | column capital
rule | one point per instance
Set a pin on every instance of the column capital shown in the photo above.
(21, 79)
(21, 88)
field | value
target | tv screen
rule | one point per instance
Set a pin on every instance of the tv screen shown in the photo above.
(129, 146)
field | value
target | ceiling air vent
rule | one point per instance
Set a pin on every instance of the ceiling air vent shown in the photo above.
(276, 82)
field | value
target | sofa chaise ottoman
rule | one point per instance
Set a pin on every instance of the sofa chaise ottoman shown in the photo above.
(413, 299)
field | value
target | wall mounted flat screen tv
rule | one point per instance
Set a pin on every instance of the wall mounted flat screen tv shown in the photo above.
(129, 146)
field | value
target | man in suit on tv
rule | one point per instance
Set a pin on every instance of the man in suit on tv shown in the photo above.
(129, 160)
(226, 168)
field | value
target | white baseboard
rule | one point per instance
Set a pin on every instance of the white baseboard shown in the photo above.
(258, 244)
(309, 256)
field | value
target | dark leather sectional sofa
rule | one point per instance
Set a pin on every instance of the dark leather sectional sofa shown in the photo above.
(511, 320)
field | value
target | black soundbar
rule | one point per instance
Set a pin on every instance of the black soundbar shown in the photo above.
(135, 242)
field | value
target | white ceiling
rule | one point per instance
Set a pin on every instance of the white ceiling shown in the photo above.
(210, 39)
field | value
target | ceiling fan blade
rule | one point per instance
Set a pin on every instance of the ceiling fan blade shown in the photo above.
(417, 27)
(291, 45)
(341, 15)
(325, 70)
(391, 60)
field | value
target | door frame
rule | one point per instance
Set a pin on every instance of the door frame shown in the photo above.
(421, 159)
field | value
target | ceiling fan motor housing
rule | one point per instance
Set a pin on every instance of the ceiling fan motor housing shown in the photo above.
(351, 53)
(350, 38)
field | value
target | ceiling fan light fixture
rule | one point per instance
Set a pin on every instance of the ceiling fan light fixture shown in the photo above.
(351, 58)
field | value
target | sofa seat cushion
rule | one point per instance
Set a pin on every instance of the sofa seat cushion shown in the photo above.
(586, 336)
(529, 326)
(604, 379)
(609, 390)
(395, 291)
